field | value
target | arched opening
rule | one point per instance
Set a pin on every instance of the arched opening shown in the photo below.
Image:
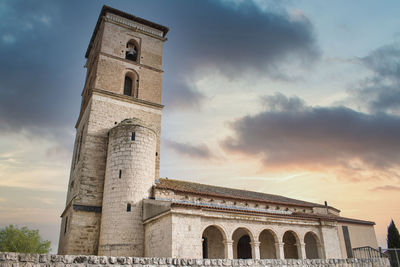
(290, 245)
(241, 242)
(128, 86)
(267, 245)
(311, 246)
(131, 84)
(132, 51)
(213, 243)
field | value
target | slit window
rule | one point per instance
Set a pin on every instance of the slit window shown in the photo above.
(133, 136)
(128, 207)
(66, 224)
(120, 174)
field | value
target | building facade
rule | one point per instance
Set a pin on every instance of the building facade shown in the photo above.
(117, 204)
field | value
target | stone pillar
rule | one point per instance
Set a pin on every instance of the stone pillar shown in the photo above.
(280, 253)
(302, 250)
(255, 247)
(228, 249)
(320, 251)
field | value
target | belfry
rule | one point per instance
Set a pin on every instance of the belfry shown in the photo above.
(115, 160)
(117, 204)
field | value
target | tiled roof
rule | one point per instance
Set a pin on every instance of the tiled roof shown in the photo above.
(217, 191)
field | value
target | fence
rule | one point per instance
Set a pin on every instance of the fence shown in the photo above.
(393, 254)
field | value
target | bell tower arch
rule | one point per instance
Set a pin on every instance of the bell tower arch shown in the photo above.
(123, 81)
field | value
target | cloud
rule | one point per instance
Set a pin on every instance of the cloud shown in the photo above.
(386, 188)
(8, 39)
(381, 91)
(40, 72)
(180, 95)
(289, 133)
(200, 151)
(234, 40)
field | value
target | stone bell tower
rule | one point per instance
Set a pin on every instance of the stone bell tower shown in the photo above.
(123, 81)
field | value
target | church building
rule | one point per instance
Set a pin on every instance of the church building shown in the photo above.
(117, 205)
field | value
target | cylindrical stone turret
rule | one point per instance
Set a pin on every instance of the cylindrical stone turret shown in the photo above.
(129, 178)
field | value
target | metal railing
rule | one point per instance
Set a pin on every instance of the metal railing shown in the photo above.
(367, 252)
(393, 254)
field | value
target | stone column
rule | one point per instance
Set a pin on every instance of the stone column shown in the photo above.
(301, 250)
(280, 253)
(255, 247)
(228, 249)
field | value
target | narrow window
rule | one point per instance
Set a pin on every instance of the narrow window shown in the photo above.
(347, 241)
(133, 136)
(128, 86)
(72, 185)
(128, 207)
(131, 52)
(120, 174)
(65, 226)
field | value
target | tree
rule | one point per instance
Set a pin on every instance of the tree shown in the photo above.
(393, 236)
(23, 240)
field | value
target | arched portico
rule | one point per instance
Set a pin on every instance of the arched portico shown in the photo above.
(291, 245)
(312, 246)
(242, 240)
(268, 241)
(213, 238)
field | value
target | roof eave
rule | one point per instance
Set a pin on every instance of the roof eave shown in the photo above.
(117, 12)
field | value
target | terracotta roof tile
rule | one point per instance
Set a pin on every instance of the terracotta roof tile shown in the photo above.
(217, 191)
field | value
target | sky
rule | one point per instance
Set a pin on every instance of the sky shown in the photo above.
(296, 98)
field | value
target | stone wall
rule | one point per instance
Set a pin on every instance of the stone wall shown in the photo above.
(16, 260)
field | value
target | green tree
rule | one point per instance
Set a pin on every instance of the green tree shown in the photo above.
(23, 240)
(393, 236)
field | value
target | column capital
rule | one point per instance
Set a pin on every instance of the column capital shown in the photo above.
(255, 243)
(280, 244)
(228, 241)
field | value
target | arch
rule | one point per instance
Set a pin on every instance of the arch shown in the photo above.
(312, 245)
(290, 245)
(213, 242)
(242, 239)
(131, 83)
(268, 239)
(132, 51)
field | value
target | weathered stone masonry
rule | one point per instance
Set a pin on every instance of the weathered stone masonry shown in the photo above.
(117, 205)
(36, 260)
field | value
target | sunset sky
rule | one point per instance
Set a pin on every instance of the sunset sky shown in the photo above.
(297, 98)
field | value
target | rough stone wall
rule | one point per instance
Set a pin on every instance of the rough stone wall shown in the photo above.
(89, 173)
(36, 260)
(111, 73)
(82, 233)
(330, 240)
(186, 236)
(128, 180)
(158, 237)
